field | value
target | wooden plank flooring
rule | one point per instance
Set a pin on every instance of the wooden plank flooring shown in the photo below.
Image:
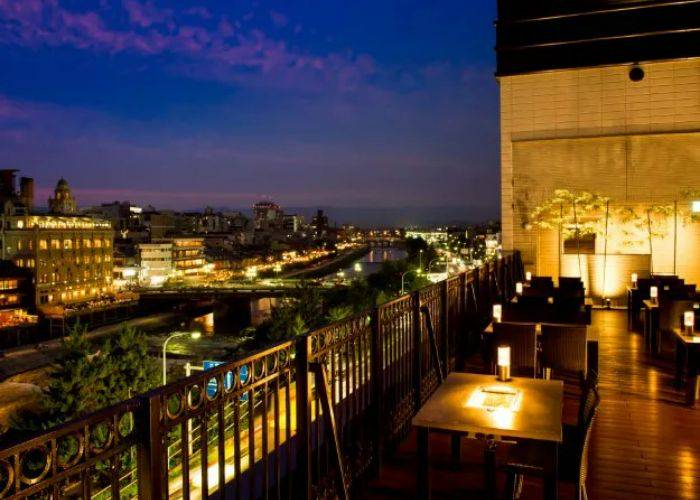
(646, 442)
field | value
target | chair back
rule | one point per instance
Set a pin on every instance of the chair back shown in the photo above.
(568, 284)
(564, 348)
(522, 339)
(589, 412)
(544, 285)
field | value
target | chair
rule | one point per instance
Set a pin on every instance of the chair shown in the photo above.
(522, 339)
(542, 284)
(526, 458)
(564, 351)
(568, 285)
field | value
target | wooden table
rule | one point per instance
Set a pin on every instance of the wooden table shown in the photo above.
(537, 417)
(592, 336)
(652, 336)
(688, 361)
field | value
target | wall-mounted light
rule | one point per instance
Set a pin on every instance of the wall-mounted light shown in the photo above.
(503, 363)
(497, 313)
(689, 322)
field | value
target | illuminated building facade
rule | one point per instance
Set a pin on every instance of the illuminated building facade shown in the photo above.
(601, 97)
(155, 263)
(187, 254)
(16, 294)
(63, 202)
(267, 216)
(70, 257)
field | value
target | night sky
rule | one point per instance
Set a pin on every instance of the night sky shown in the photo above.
(182, 104)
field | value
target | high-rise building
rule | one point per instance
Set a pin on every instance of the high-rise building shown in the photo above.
(601, 98)
(267, 216)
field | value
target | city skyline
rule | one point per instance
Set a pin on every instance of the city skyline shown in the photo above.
(187, 107)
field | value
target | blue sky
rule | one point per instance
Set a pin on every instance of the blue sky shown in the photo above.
(183, 104)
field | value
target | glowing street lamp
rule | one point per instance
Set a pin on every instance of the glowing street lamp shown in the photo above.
(192, 335)
(251, 273)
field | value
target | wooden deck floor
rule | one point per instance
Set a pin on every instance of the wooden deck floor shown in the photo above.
(646, 442)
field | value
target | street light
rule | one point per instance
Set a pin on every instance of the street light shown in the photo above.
(192, 335)
(403, 275)
(447, 265)
(420, 259)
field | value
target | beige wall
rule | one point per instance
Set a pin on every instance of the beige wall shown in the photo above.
(596, 130)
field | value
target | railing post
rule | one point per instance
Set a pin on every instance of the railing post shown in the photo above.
(416, 322)
(303, 397)
(444, 318)
(152, 465)
(376, 387)
(462, 321)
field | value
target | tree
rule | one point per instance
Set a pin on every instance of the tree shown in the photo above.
(419, 251)
(128, 368)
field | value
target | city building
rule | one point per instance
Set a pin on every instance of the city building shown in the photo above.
(187, 255)
(63, 202)
(155, 262)
(69, 256)
(267, 215)
(292, 223)
(124, 216)
(600, 127)
(16, 295)
(429, 235)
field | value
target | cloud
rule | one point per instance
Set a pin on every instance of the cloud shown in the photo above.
(222, 50)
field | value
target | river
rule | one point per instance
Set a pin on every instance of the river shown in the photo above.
(372, 261)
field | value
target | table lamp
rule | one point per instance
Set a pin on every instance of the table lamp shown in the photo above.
(503, 363)
(654, 294)
(634, 280)
(528, 276)
(497, 312)
(689, 322)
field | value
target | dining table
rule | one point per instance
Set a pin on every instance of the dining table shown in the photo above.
(478, 406)
(688, 362)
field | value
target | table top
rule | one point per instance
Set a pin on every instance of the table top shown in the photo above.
(687, 339)
(592, 332)
(538, 414)
(650, 304)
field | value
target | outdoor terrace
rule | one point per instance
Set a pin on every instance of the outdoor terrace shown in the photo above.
(375, 371)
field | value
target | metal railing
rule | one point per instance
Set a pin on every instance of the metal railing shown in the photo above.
(262, 432)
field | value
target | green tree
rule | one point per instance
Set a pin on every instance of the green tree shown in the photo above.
(128, 368)
(77, 382)
(339, 313)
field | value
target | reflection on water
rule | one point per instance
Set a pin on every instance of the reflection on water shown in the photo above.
(372, 261)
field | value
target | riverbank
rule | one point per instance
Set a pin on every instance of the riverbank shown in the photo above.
(326, 268)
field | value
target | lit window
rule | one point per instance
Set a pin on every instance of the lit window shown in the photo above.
(42, 245)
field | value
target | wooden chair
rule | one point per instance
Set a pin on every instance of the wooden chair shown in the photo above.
(522, 339)
(542, 284)
(564, 351)
(526, 458)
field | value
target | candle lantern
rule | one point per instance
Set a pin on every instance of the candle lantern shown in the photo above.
(654, 294)
(497, 313)
(634, 280)
(689, 322)
(503, 363)
(528, 276)
(519, 288)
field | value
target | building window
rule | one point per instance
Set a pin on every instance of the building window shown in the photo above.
(42, 245)
(87, 243)
(55, 244)
(67, 244)
(98, 243)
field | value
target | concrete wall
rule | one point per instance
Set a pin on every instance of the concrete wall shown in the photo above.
(595, 130)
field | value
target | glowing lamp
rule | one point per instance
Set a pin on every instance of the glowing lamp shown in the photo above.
(634, 280)
(503, 364)
(695, 206)
(519, 288)
(528, 276)
(689, 321)
(654, 294)
(497, 313)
